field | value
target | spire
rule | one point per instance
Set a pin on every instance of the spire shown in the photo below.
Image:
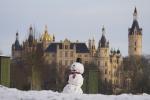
(30, 38)
(103, 42)
(93, 43)
(30, 30)
(135, 25)
(17, 36)
(118, 51)
(111, 51)
(103, 39)
(135, 14)
(135, 11)
(17, 45)
(53, 38)
(103, 30)
(90, 43)
(46, 30)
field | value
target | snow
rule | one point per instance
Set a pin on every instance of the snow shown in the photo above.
(14, 94)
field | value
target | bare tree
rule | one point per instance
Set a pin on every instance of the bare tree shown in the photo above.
(140, 78)
(35, 61)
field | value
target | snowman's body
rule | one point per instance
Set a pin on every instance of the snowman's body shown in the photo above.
(75, 79)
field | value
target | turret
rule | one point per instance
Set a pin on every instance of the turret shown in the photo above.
(135, 37)
(93, 43)
(31, 37)
(103, 57)
(53, 38)
(103, 43)
(89, 44)
(135, 14)
(16, 47)
(46, 39)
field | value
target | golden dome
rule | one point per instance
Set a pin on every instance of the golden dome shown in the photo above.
(46, 37)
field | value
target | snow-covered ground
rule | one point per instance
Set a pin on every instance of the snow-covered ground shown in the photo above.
(14, 94)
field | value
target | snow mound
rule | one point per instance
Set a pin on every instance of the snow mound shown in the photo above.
(14, 94)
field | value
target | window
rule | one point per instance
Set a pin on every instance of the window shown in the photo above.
(66, 54)
(111, 60)
(135, 49)
(105, 71)
(117, 61)
(86, 62)
(71, 61)
(53, 55)
(60, 53)
(105, 51)
(109, 73)
(60, 62)
(71, 54)
(115, 74)
(66, 47)
(66, 62)
(86, 56)
(135, 43)
(105, 63)
(117, 82)
(105, 80)
(79, 56)
(98, 63)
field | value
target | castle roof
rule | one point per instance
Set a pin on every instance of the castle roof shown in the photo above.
(17, 45)
(118, 51)
(135, 25)
(103, 42)
(31, 37)
(46, 36)
(80, 47)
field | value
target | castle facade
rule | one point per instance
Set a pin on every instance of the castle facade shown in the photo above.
(64, 53)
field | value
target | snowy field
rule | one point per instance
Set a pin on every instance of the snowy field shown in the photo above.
(14, 94)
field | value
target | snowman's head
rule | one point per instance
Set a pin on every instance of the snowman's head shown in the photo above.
(77, 67)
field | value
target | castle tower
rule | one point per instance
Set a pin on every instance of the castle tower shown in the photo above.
(103, 56)
(31, 37)
(135, 37)
(46, 39)
(53, 38)
(89, 44)
(92, 47)
(16, 47)
(116, 61)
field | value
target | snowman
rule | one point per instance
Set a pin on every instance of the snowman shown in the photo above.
(75, 79)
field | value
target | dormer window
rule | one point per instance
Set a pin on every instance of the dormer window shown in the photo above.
(66, 47)
(135, 49)
(135, 43)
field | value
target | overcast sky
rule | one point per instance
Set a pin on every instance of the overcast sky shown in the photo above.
(75, 20)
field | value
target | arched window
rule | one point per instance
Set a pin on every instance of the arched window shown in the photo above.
(135, 43)
(135, 49)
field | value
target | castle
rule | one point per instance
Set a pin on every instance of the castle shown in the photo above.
(64, 53)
